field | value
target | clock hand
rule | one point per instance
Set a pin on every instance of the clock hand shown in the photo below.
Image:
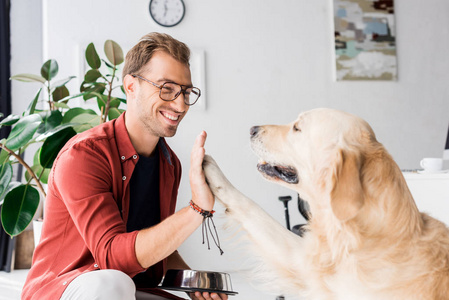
(165, 8)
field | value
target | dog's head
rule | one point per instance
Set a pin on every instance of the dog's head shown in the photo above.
(319, 155)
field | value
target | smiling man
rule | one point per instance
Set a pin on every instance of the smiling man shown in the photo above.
(110, 223)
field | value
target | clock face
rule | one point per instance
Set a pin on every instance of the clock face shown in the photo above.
(167, 13)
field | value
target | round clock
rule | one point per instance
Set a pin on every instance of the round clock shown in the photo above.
(167, 13)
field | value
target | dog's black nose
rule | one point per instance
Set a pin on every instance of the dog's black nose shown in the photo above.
(254, 130)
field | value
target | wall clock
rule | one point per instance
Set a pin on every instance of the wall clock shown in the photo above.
(167, 13)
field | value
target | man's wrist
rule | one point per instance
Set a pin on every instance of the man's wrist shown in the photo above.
(199, 210)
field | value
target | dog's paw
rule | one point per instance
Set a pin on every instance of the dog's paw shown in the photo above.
(215, 178)
(223, 190)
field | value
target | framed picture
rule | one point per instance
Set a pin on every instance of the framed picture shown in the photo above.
(365, 41)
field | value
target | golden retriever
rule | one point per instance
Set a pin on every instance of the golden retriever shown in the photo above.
(366, 238)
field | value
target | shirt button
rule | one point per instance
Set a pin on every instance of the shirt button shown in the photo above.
(64, 283)
(96, 266)
(124, 177)
(123, 157)
(134, 156)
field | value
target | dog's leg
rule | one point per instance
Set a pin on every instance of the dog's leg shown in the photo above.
(274, 243)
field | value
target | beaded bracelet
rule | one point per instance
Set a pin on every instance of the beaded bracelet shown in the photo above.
(204, 213)
(207, 215)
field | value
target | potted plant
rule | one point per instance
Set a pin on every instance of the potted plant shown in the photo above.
(48, 123)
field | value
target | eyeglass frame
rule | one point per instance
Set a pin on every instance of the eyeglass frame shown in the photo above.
(182, 91)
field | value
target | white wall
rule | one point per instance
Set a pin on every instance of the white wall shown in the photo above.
(265, 62)
(26, 49)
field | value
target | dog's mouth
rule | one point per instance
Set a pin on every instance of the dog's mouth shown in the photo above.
(284, 173)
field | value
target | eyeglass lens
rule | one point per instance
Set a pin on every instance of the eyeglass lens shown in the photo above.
(170, 91)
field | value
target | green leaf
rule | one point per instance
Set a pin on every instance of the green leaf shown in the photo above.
(23, 131)
(111, 67)
(29, 78)
(5, 177)
(73, 112)
(66, 99)
(33, 103)
(113, 113)
(50, 120)
(3, 156)
(37, 169)
(18, 209)
(53, 144)
(49, 69)
(92, 58)
(62, 82)
(12, 185)
(92, 75)
(123, 100)
(52, 131)
(91, 90)
(61, 105)
(86, 121)
(83, 127)
(36, 157)
(101, 100)
(45, 175)
(85, 118)
(113, 52)
(60, 93)
(115, 102)
(10, 120)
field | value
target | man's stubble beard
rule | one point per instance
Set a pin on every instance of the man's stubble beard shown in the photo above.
(152, 124)
(155, 128)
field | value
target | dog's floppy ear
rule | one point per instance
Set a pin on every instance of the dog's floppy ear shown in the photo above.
(347, 196)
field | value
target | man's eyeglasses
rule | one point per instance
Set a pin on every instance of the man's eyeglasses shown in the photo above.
(169, 91)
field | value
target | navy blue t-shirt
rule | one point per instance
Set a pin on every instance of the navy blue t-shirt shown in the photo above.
(144, 208)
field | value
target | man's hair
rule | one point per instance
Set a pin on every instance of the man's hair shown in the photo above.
(143, 51)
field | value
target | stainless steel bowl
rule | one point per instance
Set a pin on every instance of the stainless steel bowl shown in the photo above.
(202, 281)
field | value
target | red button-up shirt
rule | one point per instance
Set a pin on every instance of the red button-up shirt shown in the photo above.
(87, 206)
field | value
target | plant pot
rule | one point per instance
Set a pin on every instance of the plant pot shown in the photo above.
(37, 228)
(24, 250)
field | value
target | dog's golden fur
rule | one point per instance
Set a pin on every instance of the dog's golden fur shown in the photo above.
(366, 238)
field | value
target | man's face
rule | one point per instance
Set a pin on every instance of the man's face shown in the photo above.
(160, 118)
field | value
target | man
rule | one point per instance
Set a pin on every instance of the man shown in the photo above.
(109, 212)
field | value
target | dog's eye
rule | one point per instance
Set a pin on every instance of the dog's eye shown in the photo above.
(296, 128)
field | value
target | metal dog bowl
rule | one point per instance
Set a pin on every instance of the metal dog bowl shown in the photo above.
(201, 281)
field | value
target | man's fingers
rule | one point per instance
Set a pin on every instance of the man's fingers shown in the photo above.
(198, 153)
(200, 141)
(207, 296)
(201, 193)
